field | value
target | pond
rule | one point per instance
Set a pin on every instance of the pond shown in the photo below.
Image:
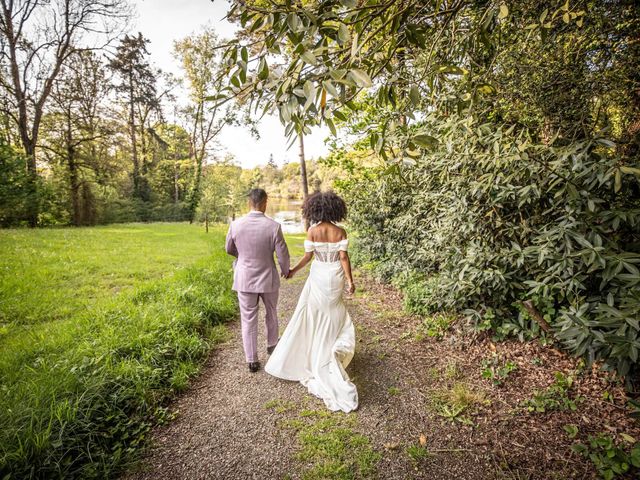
(286, 212)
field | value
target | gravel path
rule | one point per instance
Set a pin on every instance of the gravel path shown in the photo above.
(225, 428)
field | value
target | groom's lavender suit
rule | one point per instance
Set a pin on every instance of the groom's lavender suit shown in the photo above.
(253, 239)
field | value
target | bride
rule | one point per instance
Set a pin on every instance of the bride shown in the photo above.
(319, 340)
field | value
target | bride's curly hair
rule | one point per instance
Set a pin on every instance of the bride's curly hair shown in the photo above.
(324, 207)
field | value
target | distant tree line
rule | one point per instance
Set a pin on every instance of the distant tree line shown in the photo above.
(225, 184)
(90, 131)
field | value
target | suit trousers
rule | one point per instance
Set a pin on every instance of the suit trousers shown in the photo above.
(249, 306)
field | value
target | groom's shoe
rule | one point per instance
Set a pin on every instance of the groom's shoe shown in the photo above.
(254, 367)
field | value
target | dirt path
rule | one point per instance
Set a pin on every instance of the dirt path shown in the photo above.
(425, 411)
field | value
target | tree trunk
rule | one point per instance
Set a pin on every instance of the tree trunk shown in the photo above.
(74, 183)
(303, 176)
(134, 148)
(197, 180)
(33, 204)
(176, 187)
(303, 169)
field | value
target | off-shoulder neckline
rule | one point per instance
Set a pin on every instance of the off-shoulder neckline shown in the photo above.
(314, 241)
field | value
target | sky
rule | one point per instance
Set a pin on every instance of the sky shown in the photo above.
(162, 22)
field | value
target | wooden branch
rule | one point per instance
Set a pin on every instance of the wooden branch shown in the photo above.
(535, 314)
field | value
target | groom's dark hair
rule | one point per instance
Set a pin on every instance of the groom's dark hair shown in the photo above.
(257, 196)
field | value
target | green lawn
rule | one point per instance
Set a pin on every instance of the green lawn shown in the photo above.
(50, 274)
(98, 326)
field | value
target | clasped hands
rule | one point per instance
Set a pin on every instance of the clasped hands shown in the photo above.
(288, 275)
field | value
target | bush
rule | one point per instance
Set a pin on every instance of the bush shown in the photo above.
(14, 193)
(486, 218)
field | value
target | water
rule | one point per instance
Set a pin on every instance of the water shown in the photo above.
(286, 212)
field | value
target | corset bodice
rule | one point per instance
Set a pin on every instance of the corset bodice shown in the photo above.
(326, 251)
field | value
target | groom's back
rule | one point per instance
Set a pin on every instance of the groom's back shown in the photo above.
(256, 238)
(255, 235)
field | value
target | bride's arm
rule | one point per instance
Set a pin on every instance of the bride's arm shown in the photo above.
(346, 266)
(301, 264)
(304, 260)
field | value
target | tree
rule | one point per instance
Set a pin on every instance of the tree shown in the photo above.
(200, 58)
(174, 169)
(223, 191)
(38, 38)
(75, 124)
(138, 84)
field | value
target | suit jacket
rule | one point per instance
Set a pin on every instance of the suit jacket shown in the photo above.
(253, 239)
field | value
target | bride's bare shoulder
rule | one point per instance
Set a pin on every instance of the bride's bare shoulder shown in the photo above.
(310, 233)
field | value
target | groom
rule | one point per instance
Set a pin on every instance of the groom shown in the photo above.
(253, 239)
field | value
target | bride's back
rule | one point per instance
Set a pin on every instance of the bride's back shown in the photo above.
(326, 232)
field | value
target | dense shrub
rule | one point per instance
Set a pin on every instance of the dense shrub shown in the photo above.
(486, 218)
(13, 188)
(122, 210)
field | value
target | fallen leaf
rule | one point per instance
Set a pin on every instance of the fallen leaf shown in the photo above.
(423, 440)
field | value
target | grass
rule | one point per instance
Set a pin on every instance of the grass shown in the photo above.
(417, 453)
(434, 326)
(557, 396)
(280, 406)
(453, 403)
(329, 445)
(49, 274)
(98, 327)
(328, 441)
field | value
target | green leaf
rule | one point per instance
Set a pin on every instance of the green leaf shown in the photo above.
(504, 11)
(425, 141)
(617, 181)
(635, 456)
(544, 14)
(343, 33)
(309, 57)
(452, 70)
(331, 126)
(263, 69)
(414, 95)
(571, 430)
(339, 115)
(309, 90)
(630, 170)
(293, 21)
(330, 88)
(361, 78)
(485, 89)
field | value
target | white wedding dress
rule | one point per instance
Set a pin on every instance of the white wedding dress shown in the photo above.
(320, 340)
